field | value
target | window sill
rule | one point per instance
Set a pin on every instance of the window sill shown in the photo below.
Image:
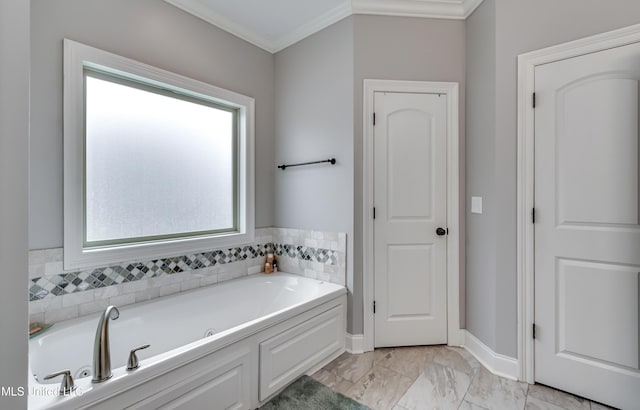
(77, 258)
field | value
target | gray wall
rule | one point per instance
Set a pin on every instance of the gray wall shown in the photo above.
(314, 120)
(14, 160)
(317, 89)
(402, 48)
(520, 27)
(152, 32)
(481, 114)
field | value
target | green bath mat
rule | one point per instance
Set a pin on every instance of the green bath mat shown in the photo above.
(308, 394)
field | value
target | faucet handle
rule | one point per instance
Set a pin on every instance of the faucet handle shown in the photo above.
(133, 363)
(67, 385)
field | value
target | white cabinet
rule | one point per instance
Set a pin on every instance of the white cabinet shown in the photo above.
(240, 376)
(291, 353)
(222, 381)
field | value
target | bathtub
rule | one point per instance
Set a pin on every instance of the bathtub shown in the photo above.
(230, 345)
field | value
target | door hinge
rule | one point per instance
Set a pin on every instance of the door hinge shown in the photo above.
(533, 215)
(533, 329)
(374, 307)
(374, 119)
(374, 212)
(534, 100)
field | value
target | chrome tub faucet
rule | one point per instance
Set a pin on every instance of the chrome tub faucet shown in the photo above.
(101, 353)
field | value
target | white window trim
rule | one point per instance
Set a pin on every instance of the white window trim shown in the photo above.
(77, 56)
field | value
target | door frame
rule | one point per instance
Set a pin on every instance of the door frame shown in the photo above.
(527, 64)
(455, 335)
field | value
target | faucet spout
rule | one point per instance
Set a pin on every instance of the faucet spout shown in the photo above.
(101, 352)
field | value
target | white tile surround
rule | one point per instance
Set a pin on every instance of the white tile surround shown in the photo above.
(48, 262)
(314, 239)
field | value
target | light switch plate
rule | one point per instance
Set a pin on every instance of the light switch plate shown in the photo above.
(476, 204)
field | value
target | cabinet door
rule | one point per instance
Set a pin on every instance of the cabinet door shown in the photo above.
(224, 385)
(288, 355)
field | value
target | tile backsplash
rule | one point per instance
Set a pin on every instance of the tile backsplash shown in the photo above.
(57, 295)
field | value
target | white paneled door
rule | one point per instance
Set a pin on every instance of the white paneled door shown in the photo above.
(587, 232)
(410, 242)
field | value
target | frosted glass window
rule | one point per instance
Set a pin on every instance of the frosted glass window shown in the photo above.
(158, 164)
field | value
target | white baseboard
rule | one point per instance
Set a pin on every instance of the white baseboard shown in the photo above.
(354, 344)
(496, 363)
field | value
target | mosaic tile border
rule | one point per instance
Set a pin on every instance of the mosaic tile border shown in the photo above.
(45, 287)
(314, 254)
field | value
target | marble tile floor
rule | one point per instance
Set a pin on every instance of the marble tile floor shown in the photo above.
(437, 377)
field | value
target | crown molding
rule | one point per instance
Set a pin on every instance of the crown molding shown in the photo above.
(469, 6)
(440, 9)
(313, 26)
(224, 23)
(443, 9)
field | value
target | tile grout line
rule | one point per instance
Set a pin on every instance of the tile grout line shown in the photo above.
(402, 374)
(526, 397)
(467, 391)
(375, 364)
(475, 374)
(352, 383)
(407, 389)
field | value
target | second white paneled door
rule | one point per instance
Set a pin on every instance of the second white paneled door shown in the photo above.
(587, 227)
(410, 242)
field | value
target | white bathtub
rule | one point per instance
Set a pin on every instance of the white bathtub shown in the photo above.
(234, 344)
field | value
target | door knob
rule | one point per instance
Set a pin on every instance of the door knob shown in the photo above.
(441, 232)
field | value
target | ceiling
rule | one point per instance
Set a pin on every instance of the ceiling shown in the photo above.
(276, 24)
